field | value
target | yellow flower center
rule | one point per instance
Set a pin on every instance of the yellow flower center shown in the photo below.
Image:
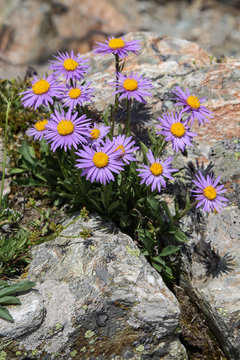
(177, 129)
(95, 133)
(40, 125)
(156, 169)
(122, 148)
(70, 64)
(193, 101)
(116, 43)
(210, 193)
(100, 159)
(74, 93)
(41, 87)
(130, 84)
(65, 127)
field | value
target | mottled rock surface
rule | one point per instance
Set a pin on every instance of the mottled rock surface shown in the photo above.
(214, 283)
(31, 31)
(101, 300)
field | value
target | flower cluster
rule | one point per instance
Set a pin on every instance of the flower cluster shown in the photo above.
(100, 154)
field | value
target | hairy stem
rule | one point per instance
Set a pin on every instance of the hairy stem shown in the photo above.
(127, 128)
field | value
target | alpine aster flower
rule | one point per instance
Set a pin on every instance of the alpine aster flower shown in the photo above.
(38, 130)
(42, 92)
(77, 95)
(126, 146)
(208, 193)
(99, 164)
(97, 133)
(67, 130)
(69, 65)
(176, 131)
(117, 46)
(132, 86)
(155, 173)
(191, 104)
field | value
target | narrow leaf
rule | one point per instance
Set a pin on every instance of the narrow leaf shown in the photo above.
(180, 236)
(167, 211)
(9, 300)
(4, 314)
(20, 286)
(157, 267)
(168, 250)
(157, 259)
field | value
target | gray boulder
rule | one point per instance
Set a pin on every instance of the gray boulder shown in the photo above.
(211, 276)
(96, 298)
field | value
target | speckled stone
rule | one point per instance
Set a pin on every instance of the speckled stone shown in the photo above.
(217, 296)
(101, 298)
(27, 317)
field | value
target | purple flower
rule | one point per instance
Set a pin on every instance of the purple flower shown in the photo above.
(99, 164)
(70, 66)
(67, 130)
(41, 92)
(156, 172)
(126, 146)
(38, 130)
(208, 193)
(77, 95)
(97, 133)
(175, 131)
(132, 86)
(191, 104)
(117, 46)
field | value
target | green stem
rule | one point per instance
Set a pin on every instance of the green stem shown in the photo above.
(127, 129)
(41, 212)
(73, 155)
(5, 150)
(4, 98)
(61, 165)
(184, 212)
(117, 70)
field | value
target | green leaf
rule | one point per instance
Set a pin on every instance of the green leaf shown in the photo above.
(173, 229)
(4, 314)
(113, 206)
(157, 267)
(3, 283)
(176, 207)
(180, 236)
(9, 300)
(20, 286)
(147, 240)
(144, 148)
(154, 204)
(124, 221)
(157, 259)
(168, 250)
(28, 152)
(14, 171)
(152, 135)
(168, 271)
(167, 211)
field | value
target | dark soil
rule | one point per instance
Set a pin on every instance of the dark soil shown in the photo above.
(198, 340)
